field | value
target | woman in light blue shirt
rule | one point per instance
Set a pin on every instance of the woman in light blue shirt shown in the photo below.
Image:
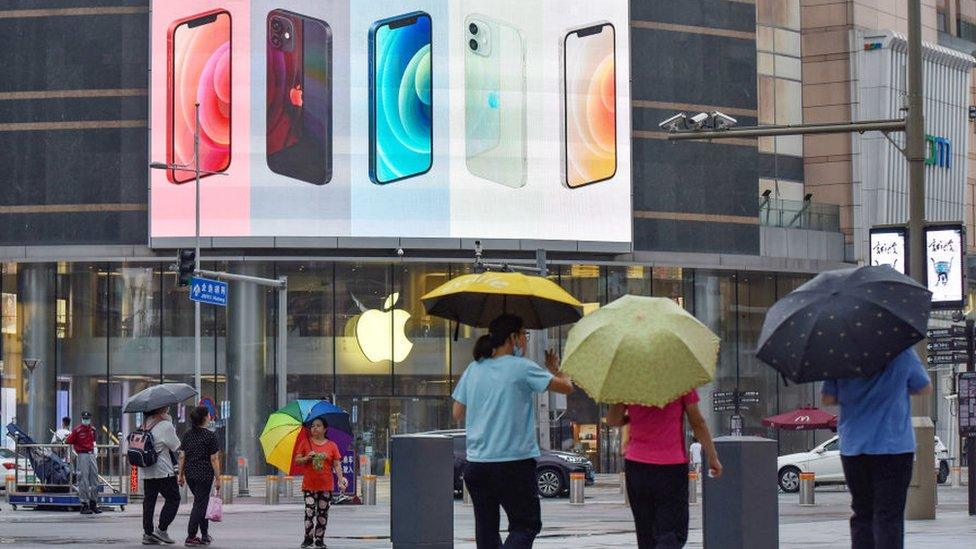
(495, 398)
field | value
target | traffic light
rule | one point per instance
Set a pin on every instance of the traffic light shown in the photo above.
(187, 263)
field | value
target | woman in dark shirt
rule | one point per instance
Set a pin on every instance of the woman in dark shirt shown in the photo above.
(199, 466)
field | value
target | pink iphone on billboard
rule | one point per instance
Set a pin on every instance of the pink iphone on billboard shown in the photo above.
(198, 71)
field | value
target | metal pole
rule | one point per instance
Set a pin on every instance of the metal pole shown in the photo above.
(893, 125)
(921, 492)
(197, 364)
(282, 341)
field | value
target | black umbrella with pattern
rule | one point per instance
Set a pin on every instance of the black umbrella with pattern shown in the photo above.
(844, 323)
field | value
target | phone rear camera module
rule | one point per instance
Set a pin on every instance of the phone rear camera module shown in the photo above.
(472, 28)
(275, 41)
(276, 24)
(473, 44)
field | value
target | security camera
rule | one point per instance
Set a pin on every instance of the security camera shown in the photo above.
(400, 252)
(699, 120)
(677, 121)
(722, 120)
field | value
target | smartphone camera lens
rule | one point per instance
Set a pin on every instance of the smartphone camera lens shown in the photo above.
(276, 24)
(275, 41)
(472, 28)
(473, 44)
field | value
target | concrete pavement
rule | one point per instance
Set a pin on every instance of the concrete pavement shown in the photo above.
(603, 522)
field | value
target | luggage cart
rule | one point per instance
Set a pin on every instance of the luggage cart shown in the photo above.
(45, 476)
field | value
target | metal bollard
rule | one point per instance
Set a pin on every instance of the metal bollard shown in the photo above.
(577, 485)
(271, 490)
(692, 487)
(369, 490)
(465, 494)
(226, 489)
(242, 478)
(11, 485)
(289, 486)
(184, 492)
(623, 482)
(808, 482)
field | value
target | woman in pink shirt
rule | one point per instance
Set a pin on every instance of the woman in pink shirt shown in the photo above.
(657, 467)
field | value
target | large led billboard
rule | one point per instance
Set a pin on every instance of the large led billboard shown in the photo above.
(494, 119)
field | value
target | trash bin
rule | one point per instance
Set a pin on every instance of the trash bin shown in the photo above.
(752, 521)
(271, 489)
(369, 490)
(808, 481)
(577, 487)
(692, 487)
(226, 489)
(422, 492)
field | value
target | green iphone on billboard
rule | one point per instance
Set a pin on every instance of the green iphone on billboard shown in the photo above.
(494, 101)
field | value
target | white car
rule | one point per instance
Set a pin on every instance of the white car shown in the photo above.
(824, 462)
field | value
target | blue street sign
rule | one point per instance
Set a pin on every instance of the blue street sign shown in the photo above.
(209, 291)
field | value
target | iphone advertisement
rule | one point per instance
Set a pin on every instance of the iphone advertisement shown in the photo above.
(493, 119)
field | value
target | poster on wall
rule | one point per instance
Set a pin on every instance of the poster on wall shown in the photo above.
(888, 248)
(503, 119)
(944, 265)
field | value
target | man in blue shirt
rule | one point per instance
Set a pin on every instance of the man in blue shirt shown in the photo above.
(495, 397)
(877, 446)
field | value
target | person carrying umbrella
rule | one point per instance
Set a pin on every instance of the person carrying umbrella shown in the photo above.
(853, 329)
(645, 356)
(495, 399)
(153, 447)
(877, 446)
(321, 457)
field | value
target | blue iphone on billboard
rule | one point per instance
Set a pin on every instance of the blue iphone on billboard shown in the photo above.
(400, 92)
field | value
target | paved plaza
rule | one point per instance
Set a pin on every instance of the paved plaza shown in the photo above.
(604, 521)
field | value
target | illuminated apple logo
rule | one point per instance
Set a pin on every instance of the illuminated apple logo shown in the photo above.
(295, 95)
(381, 333)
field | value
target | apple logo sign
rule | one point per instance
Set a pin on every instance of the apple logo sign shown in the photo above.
(295, 95)
(381, 333)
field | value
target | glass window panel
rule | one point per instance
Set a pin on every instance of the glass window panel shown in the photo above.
(420, 341)
(311, 317)
(364, 330)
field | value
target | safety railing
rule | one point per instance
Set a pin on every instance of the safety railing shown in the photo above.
(799, 214)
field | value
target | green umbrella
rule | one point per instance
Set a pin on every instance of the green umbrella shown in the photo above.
(640, 350)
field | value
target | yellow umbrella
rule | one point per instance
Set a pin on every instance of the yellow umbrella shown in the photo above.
(477, 299)
(640, 350)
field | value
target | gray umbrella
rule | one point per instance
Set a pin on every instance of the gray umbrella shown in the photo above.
(157, 396)
(844, 323)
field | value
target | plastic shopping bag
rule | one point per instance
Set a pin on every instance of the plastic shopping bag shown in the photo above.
(215, 509)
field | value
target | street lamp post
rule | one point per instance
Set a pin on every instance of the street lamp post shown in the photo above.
(197, 365)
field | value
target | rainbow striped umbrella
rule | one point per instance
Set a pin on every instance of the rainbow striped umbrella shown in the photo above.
(287, 426)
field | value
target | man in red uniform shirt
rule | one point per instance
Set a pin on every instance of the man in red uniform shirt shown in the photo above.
(82, 439)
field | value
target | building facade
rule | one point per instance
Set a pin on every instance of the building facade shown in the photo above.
(86, 296)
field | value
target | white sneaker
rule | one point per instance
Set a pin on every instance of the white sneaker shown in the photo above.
(162, 536)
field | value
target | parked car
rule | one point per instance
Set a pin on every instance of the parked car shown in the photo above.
(824, 461)
(551, 472)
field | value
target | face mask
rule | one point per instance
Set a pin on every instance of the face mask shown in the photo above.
(86, 422)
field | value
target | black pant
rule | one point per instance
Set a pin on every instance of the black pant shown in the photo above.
(659, 501)
(511, 485)
(170, 490)
(879, 487)
(200, 487)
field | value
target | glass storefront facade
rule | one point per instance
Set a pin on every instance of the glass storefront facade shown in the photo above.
(85, 336)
